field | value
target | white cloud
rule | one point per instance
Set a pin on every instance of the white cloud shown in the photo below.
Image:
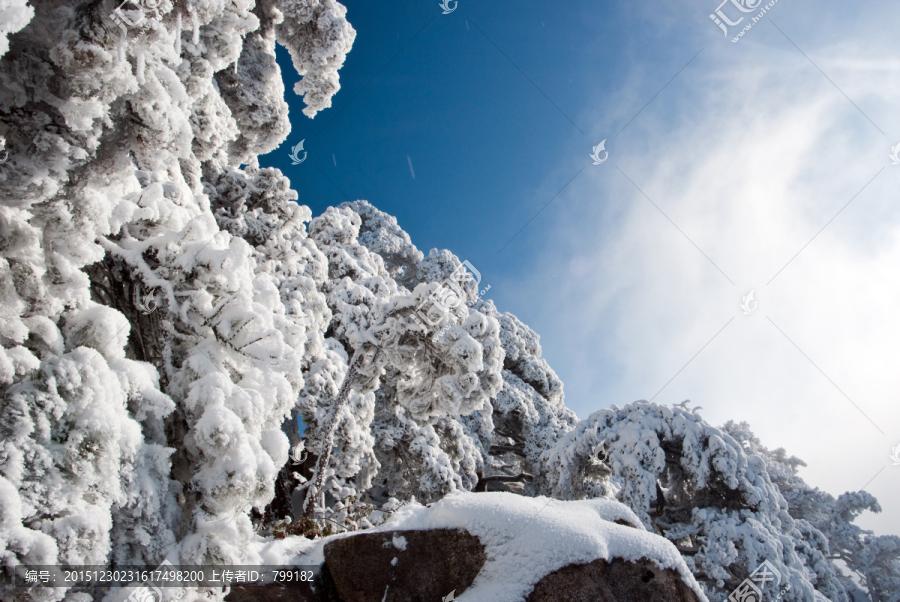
(750, 156)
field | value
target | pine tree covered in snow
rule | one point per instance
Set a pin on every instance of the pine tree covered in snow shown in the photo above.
(126, 431)
(169, 314)
(718, 495)
(827, 531)
(430, 377)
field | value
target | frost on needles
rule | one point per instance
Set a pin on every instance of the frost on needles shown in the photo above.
(129, 435)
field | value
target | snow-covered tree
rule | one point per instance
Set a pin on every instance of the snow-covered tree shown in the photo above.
(826, 530)
(528, 414)
(159, 304)
(430, 375)
(715, 494)
(687, 481)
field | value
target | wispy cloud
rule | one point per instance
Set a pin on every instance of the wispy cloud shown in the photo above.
(751, 156)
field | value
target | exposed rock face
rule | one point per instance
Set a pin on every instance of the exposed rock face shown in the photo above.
(417, 565)
(273, 594)
(615, 581)
(403, 566)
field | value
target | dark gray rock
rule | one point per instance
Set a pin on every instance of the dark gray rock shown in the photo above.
(271, 593)
(361, 568)
(615, 581)
(434, 563)
(319, 590)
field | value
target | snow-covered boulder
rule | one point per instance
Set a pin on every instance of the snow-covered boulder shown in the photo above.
(525, 540)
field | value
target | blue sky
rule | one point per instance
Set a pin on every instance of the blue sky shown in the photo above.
(480, 136)
(734, 159)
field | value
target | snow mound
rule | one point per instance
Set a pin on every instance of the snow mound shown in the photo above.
(14, 15)
(527, 538)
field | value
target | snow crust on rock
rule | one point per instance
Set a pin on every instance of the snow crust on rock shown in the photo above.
(527, 538)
